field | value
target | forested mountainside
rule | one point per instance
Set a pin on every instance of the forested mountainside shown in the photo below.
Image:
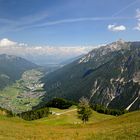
(11, 69)
(108, 75)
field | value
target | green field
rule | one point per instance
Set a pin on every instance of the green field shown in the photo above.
(66, 126)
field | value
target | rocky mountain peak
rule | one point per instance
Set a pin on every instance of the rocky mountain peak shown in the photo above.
(118, 45)
(103, 50)
(121, 41)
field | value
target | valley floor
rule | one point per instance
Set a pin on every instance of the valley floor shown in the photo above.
(66, 126)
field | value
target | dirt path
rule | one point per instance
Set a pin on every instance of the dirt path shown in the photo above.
(61, 113)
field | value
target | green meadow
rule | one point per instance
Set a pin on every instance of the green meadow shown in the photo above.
(64, 125)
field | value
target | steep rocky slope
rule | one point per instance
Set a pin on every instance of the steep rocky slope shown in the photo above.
(109, 75)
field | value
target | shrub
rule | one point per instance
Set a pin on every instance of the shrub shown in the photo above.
(8, 113)
(34, 114)
(59, 103)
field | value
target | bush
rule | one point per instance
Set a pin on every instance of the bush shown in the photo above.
(34, 114)
(60, 103)
(7, 112)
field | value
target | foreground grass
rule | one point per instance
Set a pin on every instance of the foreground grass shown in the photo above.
(64, 127)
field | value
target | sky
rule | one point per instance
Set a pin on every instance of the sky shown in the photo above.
(69, 22)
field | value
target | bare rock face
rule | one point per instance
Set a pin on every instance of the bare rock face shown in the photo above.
(136, 77)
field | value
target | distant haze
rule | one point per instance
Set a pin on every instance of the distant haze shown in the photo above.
(42, 55)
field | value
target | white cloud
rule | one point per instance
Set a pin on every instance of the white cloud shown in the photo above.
(22, 44)
(125, 8)
(63, 21)
(137, 27)
(22, 22)
(138, 20)
(138, 13)
(39, 20)
(6, 42)
(116, 28)
(42, 54)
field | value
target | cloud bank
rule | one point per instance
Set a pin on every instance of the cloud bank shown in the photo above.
(42, 54)
(138, 20)
(5, 42)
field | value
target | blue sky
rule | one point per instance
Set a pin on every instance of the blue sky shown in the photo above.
(69, 22)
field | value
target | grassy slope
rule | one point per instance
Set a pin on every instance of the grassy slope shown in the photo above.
(71, 117)
(62, 127)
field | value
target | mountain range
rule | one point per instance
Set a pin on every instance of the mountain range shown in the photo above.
(108, 75)
(11, 69)
(45, 55)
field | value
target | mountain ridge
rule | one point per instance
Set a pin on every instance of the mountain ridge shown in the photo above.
(104, 76)
(11, 69)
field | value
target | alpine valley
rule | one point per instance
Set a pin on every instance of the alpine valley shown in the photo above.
(108, 75)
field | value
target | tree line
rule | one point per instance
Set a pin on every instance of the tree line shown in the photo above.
(34, 114)
(84, 109)
(108, 111)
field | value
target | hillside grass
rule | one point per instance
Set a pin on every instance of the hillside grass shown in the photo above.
(64, 127)
(69, 117)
